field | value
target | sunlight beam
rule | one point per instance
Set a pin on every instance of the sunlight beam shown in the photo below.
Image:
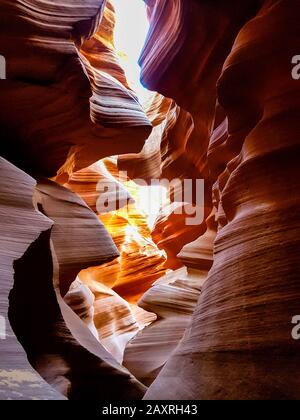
(130, 34)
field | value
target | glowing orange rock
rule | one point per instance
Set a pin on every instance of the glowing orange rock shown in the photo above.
(65, 109)
(239, 344)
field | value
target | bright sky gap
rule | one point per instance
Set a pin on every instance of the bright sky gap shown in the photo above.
(130, 34)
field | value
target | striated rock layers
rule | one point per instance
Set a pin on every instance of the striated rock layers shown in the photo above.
(241, 94)
(111, 312)
(59, 116)
(63, 109)
(86, 297)
(173, 299)
(53, 337)
(21, 225)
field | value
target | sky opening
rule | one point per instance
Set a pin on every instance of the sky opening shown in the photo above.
(130, 34)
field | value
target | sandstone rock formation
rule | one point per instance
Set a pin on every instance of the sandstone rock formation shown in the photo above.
(113, 321)
(95, 301)
(64, 87)
(21, 225)
(79, 239)
(53, 337)
(171, 232)
(239, 344)
(111, 318)
(58, 130)
(99, 189)
(173, 298)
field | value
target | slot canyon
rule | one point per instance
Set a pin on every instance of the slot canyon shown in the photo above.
(149, 231)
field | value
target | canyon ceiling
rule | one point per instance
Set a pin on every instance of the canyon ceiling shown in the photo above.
(97, 303)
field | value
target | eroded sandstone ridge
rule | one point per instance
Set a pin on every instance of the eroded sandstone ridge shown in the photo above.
(236, 82)
(57, 112)
(21, 225)
(70, 110)
(94, 301)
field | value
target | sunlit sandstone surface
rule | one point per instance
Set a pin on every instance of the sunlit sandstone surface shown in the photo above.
(116, 302)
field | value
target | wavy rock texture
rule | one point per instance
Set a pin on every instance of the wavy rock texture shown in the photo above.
(170, 45)
(227, 110)
(81, 299)
(171, 232)
(57, 338)
(173, 299)
(239, 344)
(64, 86)
(140, 262)
(39, 103)
(73, 87)
(111, 319)
(115, 320)
(99, 189)
(87, 242)
(21, 226)
(171, 153)
(198, 255)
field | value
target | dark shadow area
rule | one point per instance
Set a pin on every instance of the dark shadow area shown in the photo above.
(36, 319)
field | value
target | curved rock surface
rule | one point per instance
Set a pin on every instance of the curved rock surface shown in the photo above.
(111, 312)
(64, 86)
(239, 345)
(99, 189)
(140, 262)
(225, 109)
(21, 226)
(173, 299)
(80, 240)
(111, 318)
(56, 339)
(171, 231)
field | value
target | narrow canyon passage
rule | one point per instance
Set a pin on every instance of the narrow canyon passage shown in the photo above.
(140, 214)
(149, 199)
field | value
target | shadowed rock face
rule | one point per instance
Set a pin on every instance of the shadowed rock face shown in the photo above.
(56, 339)
(70, 111)
(226, 110)
(59, 118)
(79, 239)
(239, 344)
(173, 299)
(21, 225)
(53, 337)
